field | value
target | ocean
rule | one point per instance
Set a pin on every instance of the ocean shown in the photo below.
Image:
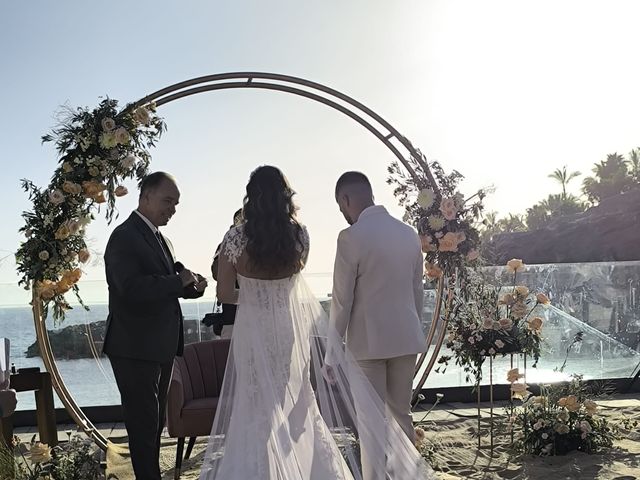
(90, 380)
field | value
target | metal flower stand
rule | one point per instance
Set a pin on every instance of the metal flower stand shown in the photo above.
(491, 403)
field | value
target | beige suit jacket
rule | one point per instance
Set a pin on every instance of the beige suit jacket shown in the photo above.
(377, 287)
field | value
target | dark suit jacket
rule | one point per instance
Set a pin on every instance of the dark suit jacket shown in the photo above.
(145, 319)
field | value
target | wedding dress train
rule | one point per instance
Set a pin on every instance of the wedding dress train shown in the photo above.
(278, 418)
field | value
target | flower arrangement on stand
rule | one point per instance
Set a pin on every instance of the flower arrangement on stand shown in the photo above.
(76, 459)
(98, 149)
(563, 418)
(491, 321)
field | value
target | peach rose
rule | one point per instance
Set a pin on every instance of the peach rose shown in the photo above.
(522, 291)
(62, 232)
(506, 323)
(448, 243)
(92, 188)
(487, 324)
(519, 310)
(46, 289)
(433, 271)
(507, 299)
(121, 191)
(473, 255)
(514, 375)
(515, 265)
(590, 406)
(519, 390)
(535, 324)
(71, 188)
(84, 255)
(542, 299)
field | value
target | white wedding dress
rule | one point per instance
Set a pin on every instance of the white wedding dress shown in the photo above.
(277, 417)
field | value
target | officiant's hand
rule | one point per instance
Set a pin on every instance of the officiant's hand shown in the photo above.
(201, 283)
(187, 277)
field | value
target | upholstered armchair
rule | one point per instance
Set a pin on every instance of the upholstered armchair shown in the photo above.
(193, 393)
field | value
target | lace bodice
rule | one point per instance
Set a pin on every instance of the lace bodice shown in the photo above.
(235, 242)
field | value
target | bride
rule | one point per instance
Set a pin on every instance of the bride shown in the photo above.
(278, 418)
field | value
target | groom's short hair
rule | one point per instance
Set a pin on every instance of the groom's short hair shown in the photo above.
(153, 180)
(353, 178)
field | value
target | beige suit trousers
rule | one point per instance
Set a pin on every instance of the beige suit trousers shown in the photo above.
(392, 379)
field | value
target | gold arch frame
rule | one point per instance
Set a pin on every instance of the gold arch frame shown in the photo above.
(350, 107)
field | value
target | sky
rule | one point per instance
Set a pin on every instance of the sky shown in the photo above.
(504, 92)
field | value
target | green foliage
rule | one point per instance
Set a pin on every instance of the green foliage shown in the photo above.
(554, 206)
(487, 321)
(77, 459)
(564, 418)
(612, 176)
(444, 219)
(98, 149)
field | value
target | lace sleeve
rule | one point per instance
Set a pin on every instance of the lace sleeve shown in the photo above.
(234, 244)
(304, 237)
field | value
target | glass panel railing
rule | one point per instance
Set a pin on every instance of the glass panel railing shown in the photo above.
(601, 300)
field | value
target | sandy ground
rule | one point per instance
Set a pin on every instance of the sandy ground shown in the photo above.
(452, 430)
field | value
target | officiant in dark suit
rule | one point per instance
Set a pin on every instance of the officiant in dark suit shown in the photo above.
(144, 327)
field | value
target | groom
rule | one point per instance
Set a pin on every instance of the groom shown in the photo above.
(377, 298)
(144, 326)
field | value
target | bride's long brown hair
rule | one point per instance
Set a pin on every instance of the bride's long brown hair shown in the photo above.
(274, 236)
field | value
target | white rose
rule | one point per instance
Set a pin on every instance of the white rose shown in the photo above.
(108, 124)
(56, 196)
(128, 162)
(122, 136)
(141, 115)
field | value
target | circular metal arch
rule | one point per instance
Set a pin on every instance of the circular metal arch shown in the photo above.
(401, 148)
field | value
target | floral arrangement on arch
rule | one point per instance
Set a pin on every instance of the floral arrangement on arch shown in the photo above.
(561, 419)
(98, 149)
(487, 321)
(443, 217)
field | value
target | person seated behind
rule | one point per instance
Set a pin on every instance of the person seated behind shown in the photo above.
(223, 322)
(8, 400)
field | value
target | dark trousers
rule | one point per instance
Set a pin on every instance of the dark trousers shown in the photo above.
(143, 387)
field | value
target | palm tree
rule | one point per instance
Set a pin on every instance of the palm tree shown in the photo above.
(634, 164)
(611, 177)
(563, 178)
